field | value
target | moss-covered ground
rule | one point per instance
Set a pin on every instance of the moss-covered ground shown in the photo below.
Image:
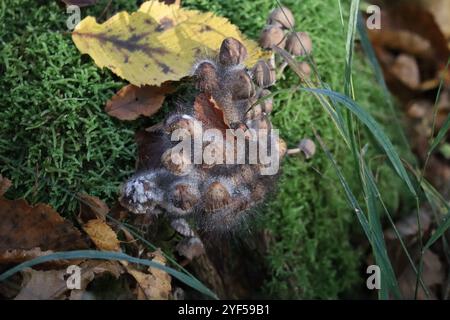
(55, 138)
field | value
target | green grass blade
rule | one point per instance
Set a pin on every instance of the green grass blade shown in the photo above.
(374, 128)
(102, 255)
(443, 227)
(374, 239)
(350, 45)
(441, 134)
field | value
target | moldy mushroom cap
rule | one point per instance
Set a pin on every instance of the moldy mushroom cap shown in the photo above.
(272, 36)
(299, 44)
(281, 17)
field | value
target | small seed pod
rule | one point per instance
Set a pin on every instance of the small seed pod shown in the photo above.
(282, 17)
(232, 52)
(217, 197)
(263, 74)
(272, 36)
(207, 80)
(176, 162)
(241, 85)
(299, 44)
(184, 197)
(308, 147)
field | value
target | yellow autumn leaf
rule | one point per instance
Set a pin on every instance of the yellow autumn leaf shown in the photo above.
(158, 42)
(102, 235)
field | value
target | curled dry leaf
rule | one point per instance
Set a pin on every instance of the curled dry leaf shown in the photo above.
(27, 231)
(131, 101)
(154, 285)
(157, 43)
(102, 235)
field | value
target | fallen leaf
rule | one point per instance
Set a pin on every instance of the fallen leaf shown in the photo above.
(441, 12)
(191, 247)
(131, 101)
(102, 235)
(16, 256)
(432, 275)
(208, 112)
(156, 284)
(5, 184)
(92, 207)
(28, 231)
(90, 269)
(157, 43)
(406, 69)
(42, 285)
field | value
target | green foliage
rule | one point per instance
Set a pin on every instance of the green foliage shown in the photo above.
(55, 136)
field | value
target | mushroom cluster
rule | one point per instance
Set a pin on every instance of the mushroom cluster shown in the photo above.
(279, 33)
(217, 196)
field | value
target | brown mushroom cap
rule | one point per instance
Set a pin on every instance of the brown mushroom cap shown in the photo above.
(299, 44)
(263, 74)
(232, 52)
(282, 17)
(272, 36)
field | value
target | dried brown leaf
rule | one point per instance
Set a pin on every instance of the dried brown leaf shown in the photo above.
(36, 228)
(92, 207)
(131, 101)
(154, 285)
(42, 285)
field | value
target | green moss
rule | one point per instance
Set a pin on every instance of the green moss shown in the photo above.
(55, 137)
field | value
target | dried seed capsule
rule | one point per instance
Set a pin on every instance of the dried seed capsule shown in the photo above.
(299, 44)
(263, 74)
(282, 17)
(308, 147)
(207, 79)
(272, 36)
(177, 163)
(217, 197)
(184, 197)
(232, 52)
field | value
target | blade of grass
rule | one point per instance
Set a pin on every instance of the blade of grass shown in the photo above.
(373, 238)
(373, 127)
(441, 134)
(104, 255)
